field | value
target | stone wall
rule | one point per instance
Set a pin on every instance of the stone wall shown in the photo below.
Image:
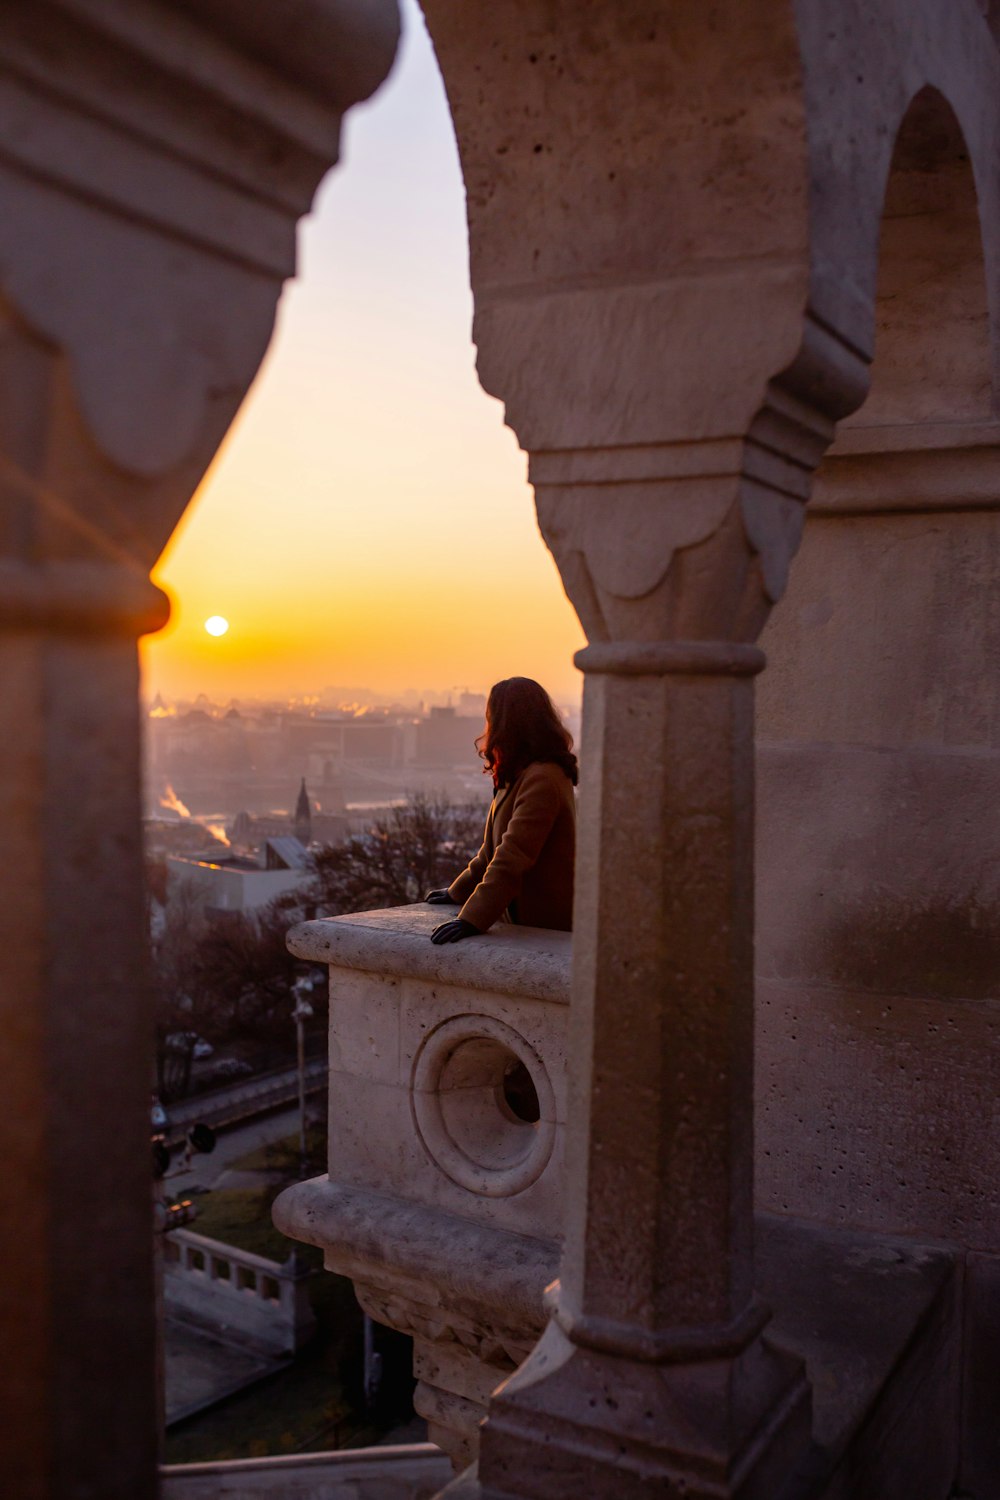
(878, 883)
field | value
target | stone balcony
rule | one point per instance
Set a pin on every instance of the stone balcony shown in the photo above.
(447, 1119)
(444, 1202)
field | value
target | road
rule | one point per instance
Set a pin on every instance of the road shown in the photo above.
(228, 1106)
(231, 1144)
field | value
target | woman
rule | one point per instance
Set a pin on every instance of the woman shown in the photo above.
(524, 871)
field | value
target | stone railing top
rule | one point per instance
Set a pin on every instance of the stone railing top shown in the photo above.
(511, 960)
(399, 1472)
(223, 1251)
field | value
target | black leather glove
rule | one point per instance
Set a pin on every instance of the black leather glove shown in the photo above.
(454, 931)
(439, 898)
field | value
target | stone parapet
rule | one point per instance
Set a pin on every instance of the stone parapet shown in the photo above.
(523, 961)
(447, 1116)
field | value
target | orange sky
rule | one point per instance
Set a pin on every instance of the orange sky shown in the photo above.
(367, 521)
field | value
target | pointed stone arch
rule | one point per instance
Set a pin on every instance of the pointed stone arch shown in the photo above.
(877, 888)
(932, 360)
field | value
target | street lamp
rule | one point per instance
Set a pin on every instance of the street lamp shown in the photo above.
(300, 1015)
(168, 1216)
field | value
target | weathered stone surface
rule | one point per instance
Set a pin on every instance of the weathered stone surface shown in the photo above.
(419, 1038)
(442, 1204)
(980, 1434)
(878, 882)
(682, 271)
(448, 1262)
(673, 516)
(875, 1320)
(152, 175)
(413, 1472)
(523, 961)
(879, 1110)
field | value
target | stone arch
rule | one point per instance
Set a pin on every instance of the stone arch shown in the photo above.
(932, 360)
(877, 751)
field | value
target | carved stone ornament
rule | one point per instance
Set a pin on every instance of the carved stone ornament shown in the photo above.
(156, 159)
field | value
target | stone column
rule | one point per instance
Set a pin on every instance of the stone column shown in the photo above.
(77, 1285)
(653, 1370)
(156, 159)
(672, 366)
(656, 1369)
(663, 945)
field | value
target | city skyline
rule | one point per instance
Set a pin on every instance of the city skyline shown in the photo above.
(368, 518)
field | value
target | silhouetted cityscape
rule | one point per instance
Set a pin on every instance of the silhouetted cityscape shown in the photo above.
(209, 763)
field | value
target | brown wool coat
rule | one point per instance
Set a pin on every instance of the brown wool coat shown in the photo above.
(525, 867)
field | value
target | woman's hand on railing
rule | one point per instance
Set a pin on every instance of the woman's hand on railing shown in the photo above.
(454, 931)
(439, 898)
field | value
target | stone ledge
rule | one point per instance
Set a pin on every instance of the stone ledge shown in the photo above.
(895, 437)
(875, 1319)
(404, 1472)
(445, 1261)
(511, 960)
(904, 480)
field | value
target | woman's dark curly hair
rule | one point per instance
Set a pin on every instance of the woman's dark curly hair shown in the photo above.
(522, 726)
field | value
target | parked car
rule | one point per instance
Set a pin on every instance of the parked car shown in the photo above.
(231, 1067)
(189, 1041)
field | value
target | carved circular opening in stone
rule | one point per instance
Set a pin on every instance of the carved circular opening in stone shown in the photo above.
(519, 1092)
(483, 1105)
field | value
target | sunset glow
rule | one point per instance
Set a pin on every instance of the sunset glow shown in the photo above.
(216, 625)
(369, 510)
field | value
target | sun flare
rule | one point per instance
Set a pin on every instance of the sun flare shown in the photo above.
(216, 625)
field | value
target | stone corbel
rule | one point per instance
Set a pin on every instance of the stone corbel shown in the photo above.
(155, 161)
(694, 539)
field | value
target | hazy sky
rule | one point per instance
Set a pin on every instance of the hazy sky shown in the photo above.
(367, 520)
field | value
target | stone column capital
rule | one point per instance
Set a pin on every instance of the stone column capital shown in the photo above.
(157, 158)
(669, 658)
(80, 597)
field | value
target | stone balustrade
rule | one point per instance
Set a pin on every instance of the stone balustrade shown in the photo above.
(447, 1120)
(255, 1301)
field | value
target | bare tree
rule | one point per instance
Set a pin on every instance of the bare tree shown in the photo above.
(243, 972)
(408, 850)
(227, 976)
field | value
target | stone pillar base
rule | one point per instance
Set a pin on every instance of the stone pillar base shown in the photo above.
(726, 1428)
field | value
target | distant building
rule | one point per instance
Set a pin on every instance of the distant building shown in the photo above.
(237, 882)
(180, 836)
(309, 825)
(472, 705)
(303, 816)
(447, 738)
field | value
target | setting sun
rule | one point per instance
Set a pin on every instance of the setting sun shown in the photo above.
(216, 625)
(332, 530)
